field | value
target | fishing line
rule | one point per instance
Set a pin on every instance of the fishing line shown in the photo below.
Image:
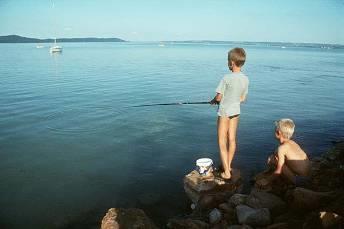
(171, 104)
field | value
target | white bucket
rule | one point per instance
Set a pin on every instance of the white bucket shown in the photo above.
(204, 166)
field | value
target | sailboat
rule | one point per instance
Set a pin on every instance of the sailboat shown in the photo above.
(55, 48)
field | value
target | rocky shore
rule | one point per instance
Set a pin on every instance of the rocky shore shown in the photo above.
(315, 203)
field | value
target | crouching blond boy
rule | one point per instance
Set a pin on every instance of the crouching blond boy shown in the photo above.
(289, 161)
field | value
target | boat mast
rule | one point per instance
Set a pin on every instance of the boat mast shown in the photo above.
(55, 20)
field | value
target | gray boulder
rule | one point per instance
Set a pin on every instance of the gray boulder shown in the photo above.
(253, 217)
(215, 216)
(238, 199)
(229, 213)
(225, 207)
(259, 199)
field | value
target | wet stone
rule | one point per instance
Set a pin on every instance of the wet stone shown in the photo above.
(196, 185)
(117, 218)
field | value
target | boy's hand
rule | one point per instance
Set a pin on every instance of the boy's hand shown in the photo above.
(214, 102)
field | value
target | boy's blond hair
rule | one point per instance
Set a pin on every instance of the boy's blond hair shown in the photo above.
(286, 126)
(238, 56)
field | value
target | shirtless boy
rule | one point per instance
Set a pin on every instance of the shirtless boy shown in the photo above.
(290, 160)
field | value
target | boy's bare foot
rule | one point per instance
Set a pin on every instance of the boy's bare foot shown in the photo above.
(225, 176)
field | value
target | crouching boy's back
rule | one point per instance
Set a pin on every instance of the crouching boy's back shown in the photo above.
(290, 161)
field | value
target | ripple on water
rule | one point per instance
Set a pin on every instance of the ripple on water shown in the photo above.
(85, 119)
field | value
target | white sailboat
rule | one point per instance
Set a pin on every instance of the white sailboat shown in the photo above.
(55, 48)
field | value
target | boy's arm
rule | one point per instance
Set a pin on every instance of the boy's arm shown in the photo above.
(280, 161)
(216, 99)
(243, 98)
(279, 166)
(219, 92)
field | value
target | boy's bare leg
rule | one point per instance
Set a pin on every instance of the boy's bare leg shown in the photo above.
(222, 133)
(228, 146)
(233, 125)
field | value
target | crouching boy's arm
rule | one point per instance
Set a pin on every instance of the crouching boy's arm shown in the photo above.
(280, 161)
(216, 99)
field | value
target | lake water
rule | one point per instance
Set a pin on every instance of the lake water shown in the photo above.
(71, 145)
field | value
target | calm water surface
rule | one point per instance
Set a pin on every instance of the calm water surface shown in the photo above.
(71, 146)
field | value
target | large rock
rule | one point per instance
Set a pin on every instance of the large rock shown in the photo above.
(259, 199)
(220, 225)
(240, 227)
(187, 224)
(322, 220)
(331, 220)
(289, 216)
(312, 221)
(327, 172)
(305, 199)
(278, 226)
(337, 153)
(196, 185)
(225, 207)
(263, 182)
(238, 199)
(215, 216)
(337, 204)
(210, 201)
(120, 218)
(327, 179)
(253, 217)
(229, 213)
(199, 183)
(292, 219)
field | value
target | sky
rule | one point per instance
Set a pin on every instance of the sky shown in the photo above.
(309, 21)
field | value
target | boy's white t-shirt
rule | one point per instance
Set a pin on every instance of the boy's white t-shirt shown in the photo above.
(232, 87)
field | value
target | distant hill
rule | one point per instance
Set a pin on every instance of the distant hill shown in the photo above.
(19, 39)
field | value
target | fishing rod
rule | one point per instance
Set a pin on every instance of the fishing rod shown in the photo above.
(170, 104)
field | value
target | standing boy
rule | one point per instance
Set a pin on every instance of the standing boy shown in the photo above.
(231, 91)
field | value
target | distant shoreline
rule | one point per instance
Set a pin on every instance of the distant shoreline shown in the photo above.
(20, 39)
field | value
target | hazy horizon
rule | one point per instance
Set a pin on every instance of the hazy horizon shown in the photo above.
(206, 40)
(250, 21)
